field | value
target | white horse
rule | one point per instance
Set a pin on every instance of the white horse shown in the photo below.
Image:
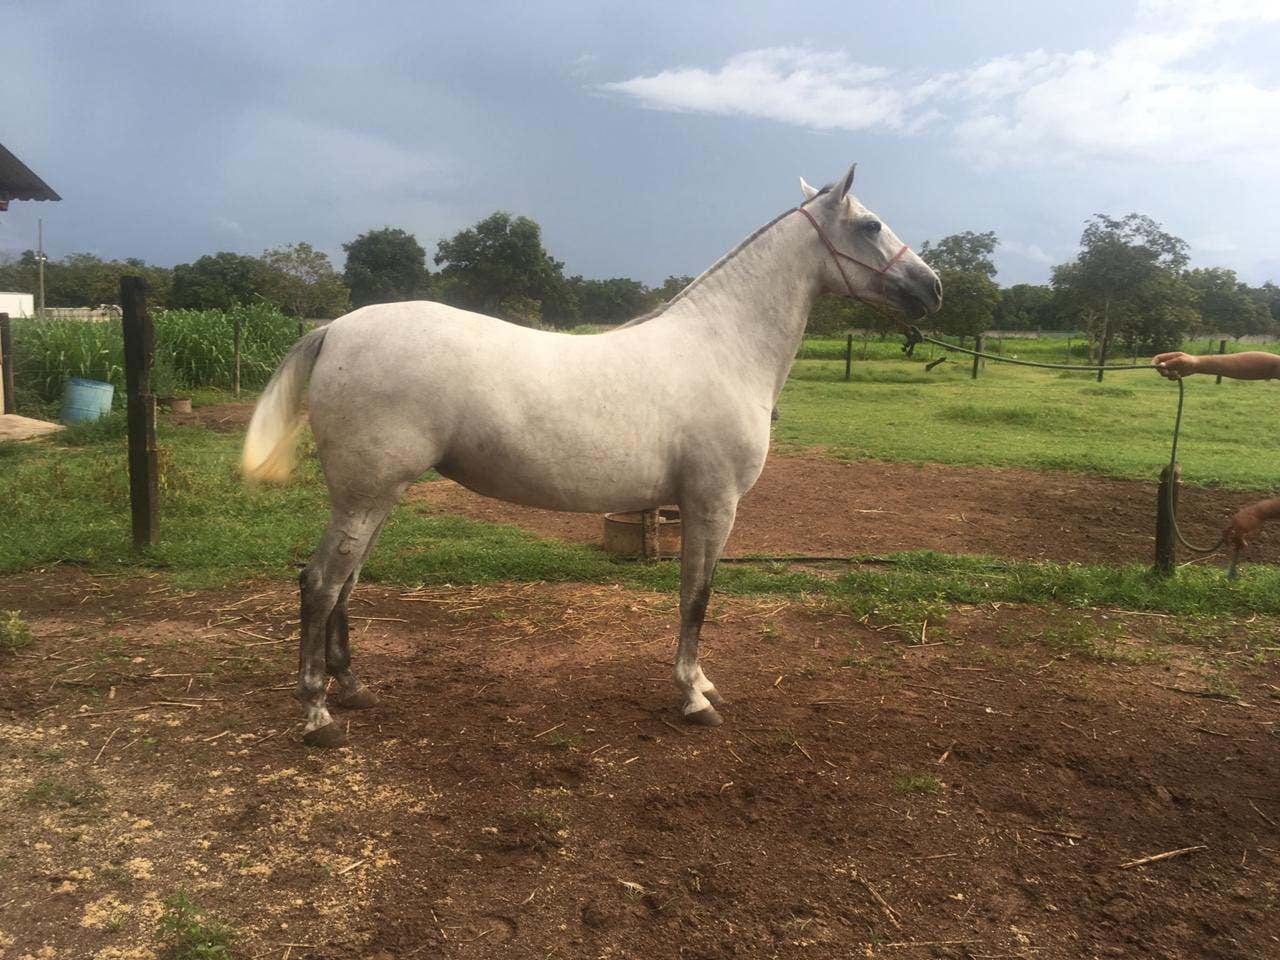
(673, 407)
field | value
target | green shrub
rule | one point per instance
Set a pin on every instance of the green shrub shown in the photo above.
(14, 632)
(188, 935)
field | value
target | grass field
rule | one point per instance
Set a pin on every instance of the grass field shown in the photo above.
(69, 504)
(894, 409)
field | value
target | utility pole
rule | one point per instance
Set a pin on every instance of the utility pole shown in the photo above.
(40, 266)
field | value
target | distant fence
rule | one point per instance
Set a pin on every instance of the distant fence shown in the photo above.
(101, 313)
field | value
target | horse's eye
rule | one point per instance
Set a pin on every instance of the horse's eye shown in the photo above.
(871, 226)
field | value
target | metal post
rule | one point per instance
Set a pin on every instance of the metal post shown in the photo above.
(40, 266)
(139, 353)
(977, 346)
(848, 357)
(1167, 498)
(1222, 348)
(6, 365)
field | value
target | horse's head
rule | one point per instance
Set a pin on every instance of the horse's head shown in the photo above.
(864, 258)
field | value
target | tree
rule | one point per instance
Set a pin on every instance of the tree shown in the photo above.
(302, 282)
(1024, 306)
(1226, 305)
(966, 252)
(83, 279)
(968, 304)
(501, 258)
(834, 313)
(672, 286)
(1268, 296)
(384, 266)
(216, 282)
(612, 301)
(1126, 282)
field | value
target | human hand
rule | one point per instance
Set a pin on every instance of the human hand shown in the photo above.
(1176, 365)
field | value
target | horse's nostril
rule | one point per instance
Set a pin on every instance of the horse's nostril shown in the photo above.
(937, 288)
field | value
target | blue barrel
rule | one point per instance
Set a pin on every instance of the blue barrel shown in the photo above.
(86, 400)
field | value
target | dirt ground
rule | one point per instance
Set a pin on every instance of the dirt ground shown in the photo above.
(526, 789)
(833, 508)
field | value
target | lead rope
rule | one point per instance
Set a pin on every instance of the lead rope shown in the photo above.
(914, 336)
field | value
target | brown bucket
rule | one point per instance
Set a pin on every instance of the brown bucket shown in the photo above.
(625, 533)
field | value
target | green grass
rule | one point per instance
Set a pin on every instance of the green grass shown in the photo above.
(1020, 417)
(15, 635)
(188, 933)
(54, 794)
(67, 498)
(69, 504)
(925, 783)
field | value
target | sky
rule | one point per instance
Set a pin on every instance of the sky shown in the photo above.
(647, 138)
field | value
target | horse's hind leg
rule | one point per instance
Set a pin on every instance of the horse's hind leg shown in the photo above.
(353, 524)
(706, 528)
(351, 693)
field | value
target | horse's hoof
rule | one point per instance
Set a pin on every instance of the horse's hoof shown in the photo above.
(361, 698)
(714, 698)
(706, 717)
(327, 737)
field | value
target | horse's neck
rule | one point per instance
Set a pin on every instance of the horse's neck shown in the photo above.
(752, 307)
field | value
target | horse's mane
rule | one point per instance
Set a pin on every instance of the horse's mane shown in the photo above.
(663, 308)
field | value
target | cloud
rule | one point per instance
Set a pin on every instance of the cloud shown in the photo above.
(1029, 251)
(820, 90)
(1165, 90)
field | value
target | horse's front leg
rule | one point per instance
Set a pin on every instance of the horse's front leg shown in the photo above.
(705, 529)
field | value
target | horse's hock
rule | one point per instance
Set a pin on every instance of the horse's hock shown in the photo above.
(648, 533)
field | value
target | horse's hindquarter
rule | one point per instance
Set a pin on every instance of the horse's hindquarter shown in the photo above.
(609, 422)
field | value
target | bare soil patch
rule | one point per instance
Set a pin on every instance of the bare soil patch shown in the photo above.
(526, 789)
(826, 507)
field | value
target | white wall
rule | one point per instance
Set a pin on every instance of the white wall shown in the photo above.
(17, 304)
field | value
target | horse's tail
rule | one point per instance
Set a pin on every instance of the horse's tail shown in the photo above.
(270, 444)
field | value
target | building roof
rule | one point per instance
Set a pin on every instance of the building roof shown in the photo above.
(18, 182)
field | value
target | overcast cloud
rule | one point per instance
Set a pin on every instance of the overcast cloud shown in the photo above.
(646, 139)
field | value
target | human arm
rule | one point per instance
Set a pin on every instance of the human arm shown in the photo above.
(1246, 521)
(1253, 365)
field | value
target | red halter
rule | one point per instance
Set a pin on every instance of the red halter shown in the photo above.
(837, 256)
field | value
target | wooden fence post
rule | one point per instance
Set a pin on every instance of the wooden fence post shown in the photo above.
(1222, 348)
(235, 368)
(1167, 498)
(139, 353)
(848, 357)
(6, 366)
(650, 520)
(977, 346)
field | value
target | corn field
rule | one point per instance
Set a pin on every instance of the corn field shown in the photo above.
(194, 348)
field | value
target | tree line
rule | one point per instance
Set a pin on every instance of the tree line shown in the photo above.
(1129, 284)
(498, 266)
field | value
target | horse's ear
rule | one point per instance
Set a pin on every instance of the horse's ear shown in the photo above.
(842, 187)
(809, 192)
